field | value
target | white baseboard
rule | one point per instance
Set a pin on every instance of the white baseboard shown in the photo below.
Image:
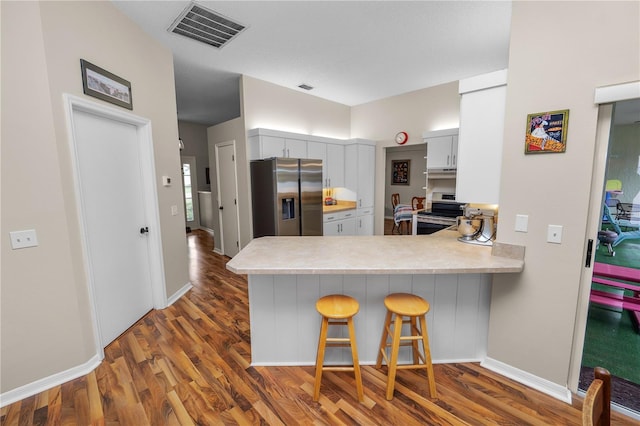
(216, 250)
(178, 294)
(545, 386)
(45, 383)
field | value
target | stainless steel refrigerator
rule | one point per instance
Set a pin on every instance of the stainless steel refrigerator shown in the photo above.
(286, 196)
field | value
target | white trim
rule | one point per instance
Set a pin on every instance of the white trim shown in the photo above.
(617, 92)
(483, 81)
(543, 385)
(156, 262)
(178, 294)
(57, 379)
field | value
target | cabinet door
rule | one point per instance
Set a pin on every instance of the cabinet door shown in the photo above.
(366, 175)
(296, 148)
(271, 146)
(364, 225)
(348, 226)
(330, 229)
(318, 151)
(439, 152)
(335, 165)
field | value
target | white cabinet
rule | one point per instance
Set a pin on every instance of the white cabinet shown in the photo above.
(442, 152)
(360, 171)
(332, 156)
(482, 110)
(364, 221)
(268, 143)
(339, 223)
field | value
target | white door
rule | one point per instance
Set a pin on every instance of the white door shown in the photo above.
(228, 198)
(115, 221)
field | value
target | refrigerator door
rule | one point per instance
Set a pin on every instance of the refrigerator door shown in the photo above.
(311, 196)
(287, 197)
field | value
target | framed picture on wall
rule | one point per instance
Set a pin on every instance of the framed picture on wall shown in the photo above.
(546, 132)
(400, 172)
(102, 84)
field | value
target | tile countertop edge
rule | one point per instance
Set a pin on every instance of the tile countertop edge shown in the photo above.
(374, 255)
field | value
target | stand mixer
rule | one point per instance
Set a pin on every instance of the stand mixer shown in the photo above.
(477, 227)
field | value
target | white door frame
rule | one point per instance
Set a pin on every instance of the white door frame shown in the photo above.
(150, 199)
(219, 200)
(604, 97)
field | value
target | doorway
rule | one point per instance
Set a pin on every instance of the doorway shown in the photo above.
(190, 186)
(596, 205)
(227, 180)
(117, 206)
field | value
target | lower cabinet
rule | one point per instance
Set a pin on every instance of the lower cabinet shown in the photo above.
(340, 223)
(364, 222)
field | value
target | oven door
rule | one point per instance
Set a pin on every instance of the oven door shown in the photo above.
(425, 228)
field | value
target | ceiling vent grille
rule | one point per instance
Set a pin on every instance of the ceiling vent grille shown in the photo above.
(206, 26)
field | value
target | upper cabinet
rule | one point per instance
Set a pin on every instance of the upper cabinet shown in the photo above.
(360, 171)
(482, 109)
(442, 153)
(332, 156)
(267, 146)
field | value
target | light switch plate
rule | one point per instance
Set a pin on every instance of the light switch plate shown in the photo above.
(522, 223)
(554, 234)
(174, 210)
(23, 239)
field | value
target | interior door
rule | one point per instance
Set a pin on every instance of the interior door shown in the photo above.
(228, 198)
(115, 220)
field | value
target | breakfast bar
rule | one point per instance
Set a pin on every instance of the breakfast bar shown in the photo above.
(287, 275)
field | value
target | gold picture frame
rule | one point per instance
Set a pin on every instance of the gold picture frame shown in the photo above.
(546, 132)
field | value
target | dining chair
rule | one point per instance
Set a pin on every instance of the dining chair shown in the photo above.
(596, 408)
(417, 203)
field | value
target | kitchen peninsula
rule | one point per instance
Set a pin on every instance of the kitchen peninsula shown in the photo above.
(288, 274)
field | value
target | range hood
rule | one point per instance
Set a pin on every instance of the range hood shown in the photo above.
(441, 173)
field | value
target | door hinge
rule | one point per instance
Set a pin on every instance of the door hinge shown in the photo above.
(233, 157)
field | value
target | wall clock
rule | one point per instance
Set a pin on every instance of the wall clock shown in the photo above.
(402, 138)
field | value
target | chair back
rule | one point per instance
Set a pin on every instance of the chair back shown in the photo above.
(417, 203)
(395, 200)
(596, 409)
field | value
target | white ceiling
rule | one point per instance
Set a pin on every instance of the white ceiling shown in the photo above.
(351, 52)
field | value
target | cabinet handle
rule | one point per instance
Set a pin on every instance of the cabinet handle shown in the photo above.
(448, 158)
(288, 152)
(454, 159)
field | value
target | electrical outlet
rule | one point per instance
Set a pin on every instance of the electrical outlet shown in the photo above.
(23, 239)
(522, 223)
(174, 210)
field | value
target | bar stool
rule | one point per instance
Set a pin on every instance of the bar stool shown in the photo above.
(337, 309)
(414, 307)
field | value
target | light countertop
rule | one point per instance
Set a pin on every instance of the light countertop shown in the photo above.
(341, 206)
(439, 253)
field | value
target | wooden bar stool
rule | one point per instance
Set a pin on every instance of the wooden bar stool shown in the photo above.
(403, 305)
(337, 309)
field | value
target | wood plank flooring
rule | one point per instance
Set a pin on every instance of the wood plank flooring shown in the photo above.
(189, 364)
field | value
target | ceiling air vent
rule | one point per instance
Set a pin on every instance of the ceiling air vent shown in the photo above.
(206, 26)
(305, 86)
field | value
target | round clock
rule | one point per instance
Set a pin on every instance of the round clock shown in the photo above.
(402, 138)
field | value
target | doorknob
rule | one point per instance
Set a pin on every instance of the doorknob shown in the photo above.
(144, 230)
(221, 208)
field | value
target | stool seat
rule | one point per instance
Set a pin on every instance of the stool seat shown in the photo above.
(337, 306)
(405, 304)
(337, 309)
(400, 305)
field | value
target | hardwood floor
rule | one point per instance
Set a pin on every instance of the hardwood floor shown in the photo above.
(190, 364)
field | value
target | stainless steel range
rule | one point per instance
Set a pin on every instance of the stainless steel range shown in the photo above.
(443, 213)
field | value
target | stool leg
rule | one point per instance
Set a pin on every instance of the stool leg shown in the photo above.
(383, 340)
(427, 358)
(356, 361)
(414, 343)
(393, 362)
(320, 357)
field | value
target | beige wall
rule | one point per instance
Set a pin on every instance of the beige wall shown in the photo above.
(433, 108)
(552, 67)
(45, 314)
(194, 137)
(232, 130)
